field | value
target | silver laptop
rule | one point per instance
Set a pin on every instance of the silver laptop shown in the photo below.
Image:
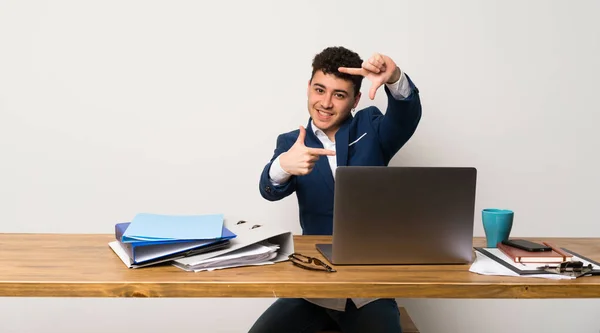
(402, 215)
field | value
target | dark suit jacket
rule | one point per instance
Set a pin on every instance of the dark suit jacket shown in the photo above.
(385, 135)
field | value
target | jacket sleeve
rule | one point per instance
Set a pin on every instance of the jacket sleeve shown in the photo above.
(267, 189)
(400, 121)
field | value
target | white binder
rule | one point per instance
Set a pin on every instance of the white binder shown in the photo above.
(248, 235)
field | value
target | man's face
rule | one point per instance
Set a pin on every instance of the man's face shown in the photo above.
(330, 101)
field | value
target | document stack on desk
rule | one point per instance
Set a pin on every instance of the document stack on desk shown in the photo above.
(151, 239)
(508, 262)
(254, 244)
(199, 243)
(256, 254)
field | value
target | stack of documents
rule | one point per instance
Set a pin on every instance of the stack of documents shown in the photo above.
(150, 239)
(255, 254)
(253, 245)
(492, 261)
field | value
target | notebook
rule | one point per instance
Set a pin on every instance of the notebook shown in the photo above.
(521, 256)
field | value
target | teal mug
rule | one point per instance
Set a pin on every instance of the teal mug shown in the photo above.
(497, 224)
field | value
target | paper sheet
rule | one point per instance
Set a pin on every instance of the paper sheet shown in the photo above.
(256, 254)
(487, 266)
(229, 266)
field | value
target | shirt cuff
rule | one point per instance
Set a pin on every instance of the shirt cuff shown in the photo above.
(399, 89)
(277, 175)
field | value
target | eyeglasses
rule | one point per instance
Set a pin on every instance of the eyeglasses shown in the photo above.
(310, 263)
(573, 268)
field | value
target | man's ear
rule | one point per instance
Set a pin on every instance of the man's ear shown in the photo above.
(356, 100)
(308, 87)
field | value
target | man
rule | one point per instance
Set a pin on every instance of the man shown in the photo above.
(305, 161)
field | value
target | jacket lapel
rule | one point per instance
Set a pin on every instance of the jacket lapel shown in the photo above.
(322, 166)
(341, 143)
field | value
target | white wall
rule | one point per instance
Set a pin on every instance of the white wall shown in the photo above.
(110, 108)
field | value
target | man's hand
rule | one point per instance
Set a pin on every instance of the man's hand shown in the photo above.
(300, 160)
(379, 69)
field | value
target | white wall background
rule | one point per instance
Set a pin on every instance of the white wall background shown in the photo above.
(110, 108)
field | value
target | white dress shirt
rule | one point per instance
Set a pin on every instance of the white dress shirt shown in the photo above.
(399, 90)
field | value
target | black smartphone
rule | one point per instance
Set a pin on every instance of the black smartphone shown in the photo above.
(527, 245)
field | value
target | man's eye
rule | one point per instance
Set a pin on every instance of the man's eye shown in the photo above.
(340, 96)
(319, 90)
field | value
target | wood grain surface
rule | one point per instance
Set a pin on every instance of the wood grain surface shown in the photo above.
(82, 265)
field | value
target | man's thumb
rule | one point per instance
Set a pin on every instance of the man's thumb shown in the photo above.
(301, 136)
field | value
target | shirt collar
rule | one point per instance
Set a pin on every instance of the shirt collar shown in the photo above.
(319, 133)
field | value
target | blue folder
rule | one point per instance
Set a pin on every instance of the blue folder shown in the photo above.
(156, 227)
(146, 252)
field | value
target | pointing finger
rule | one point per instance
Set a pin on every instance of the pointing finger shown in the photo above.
(352, 71)
(321, 151)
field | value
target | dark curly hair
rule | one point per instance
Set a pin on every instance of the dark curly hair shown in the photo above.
(331, 58)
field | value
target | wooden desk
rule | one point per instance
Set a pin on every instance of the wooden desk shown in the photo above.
(66, 265)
